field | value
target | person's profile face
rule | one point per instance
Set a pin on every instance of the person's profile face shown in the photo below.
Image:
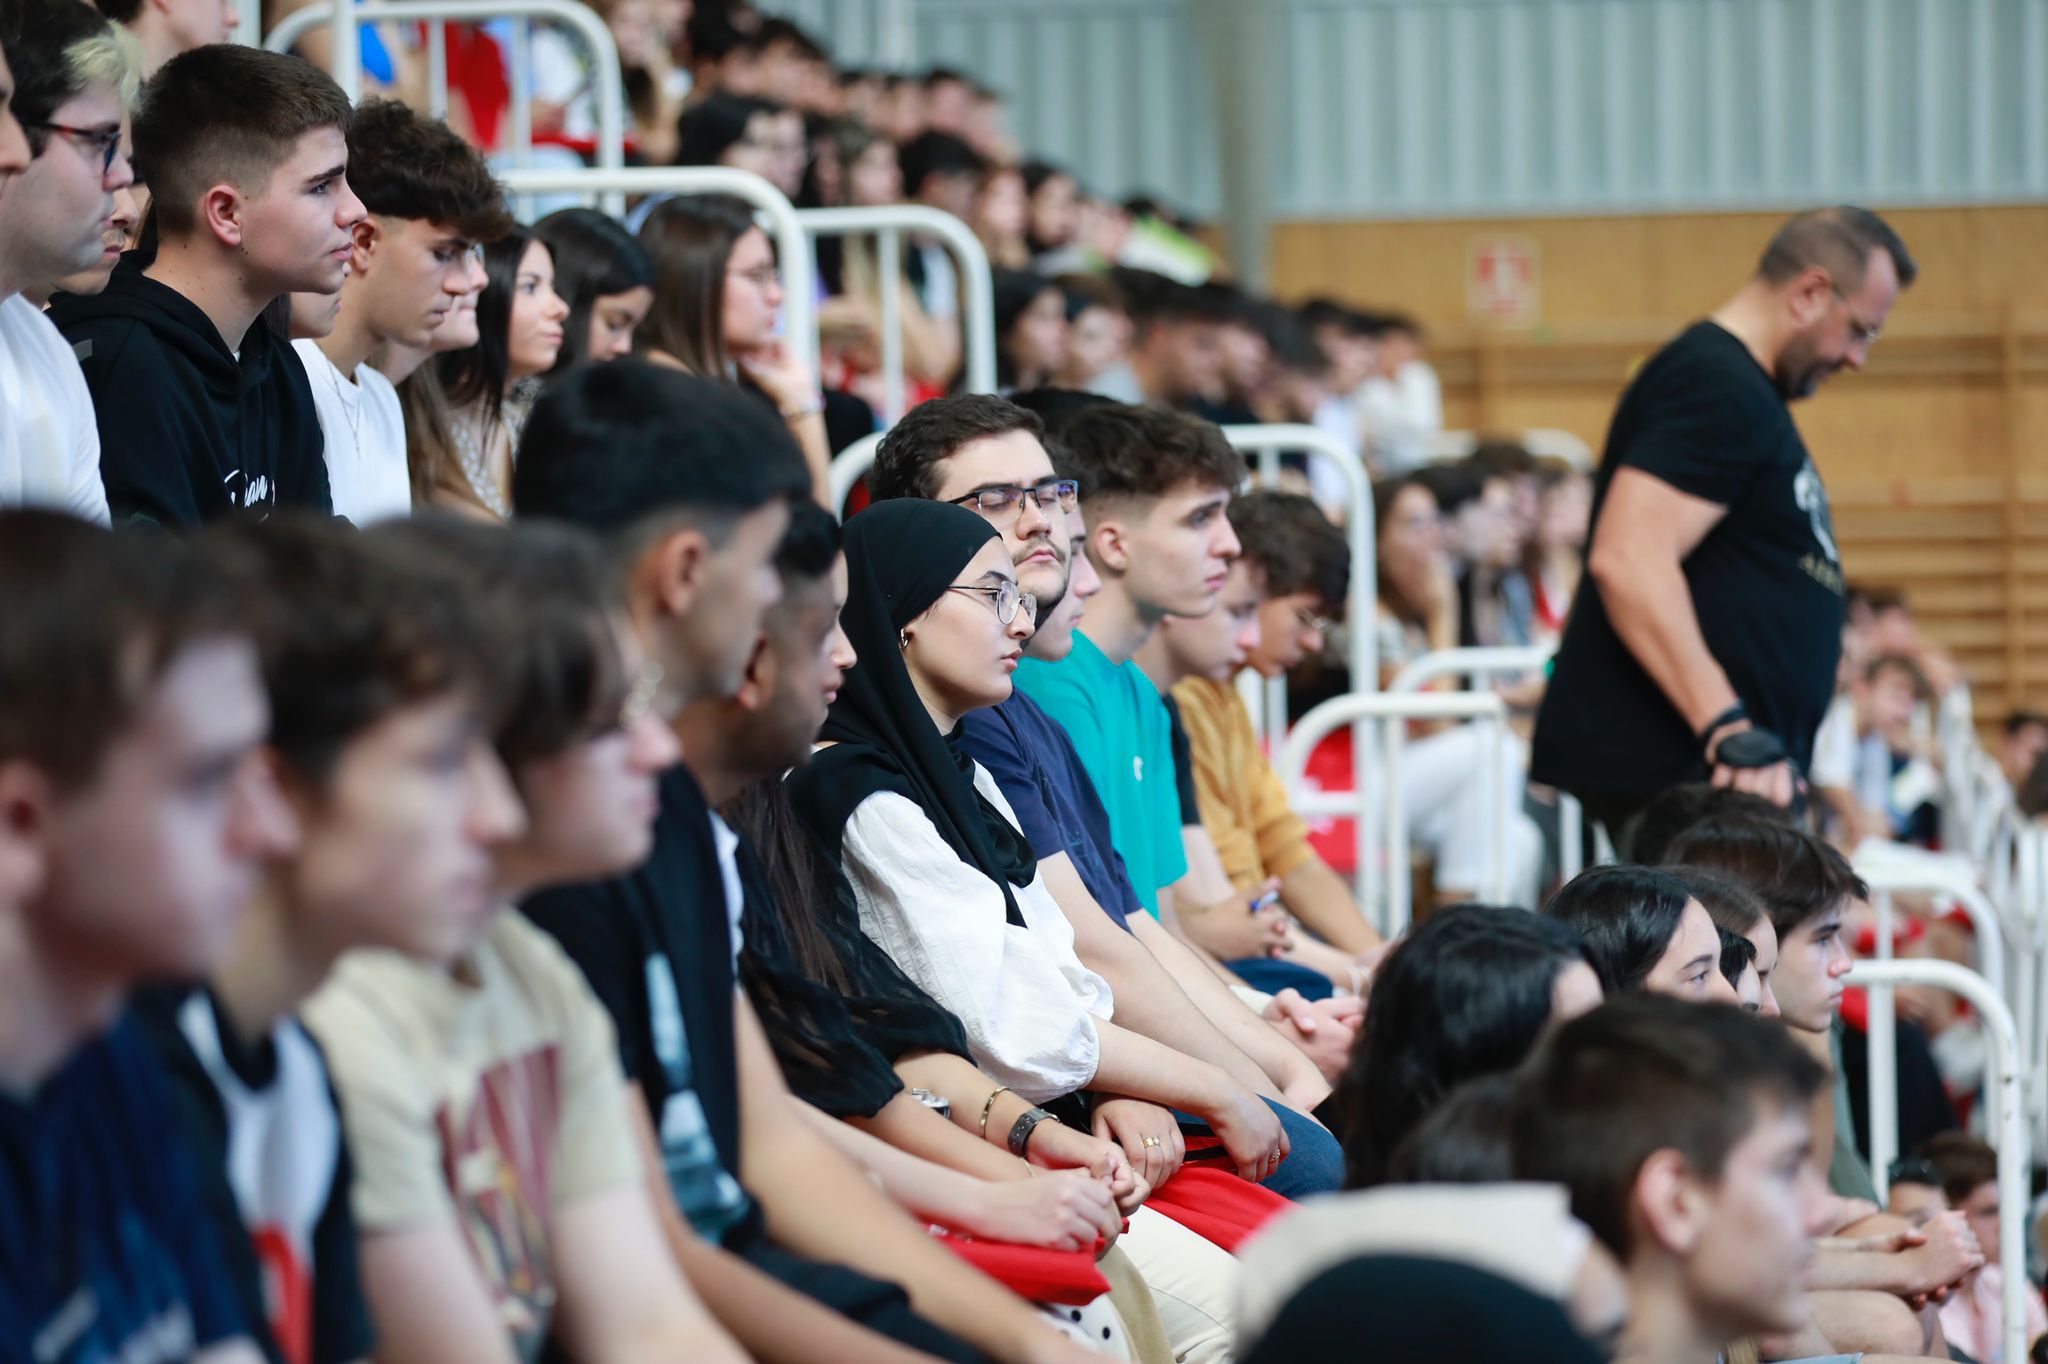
(1747, 1269)
(613, 320)
(1838, 327)
(396, 842)
(1198, 356)
(591, 806)
(298, 233)
(149, 867)
(58, 212)
(1038, 339)
(875, 180)
(1812, 960)
(1180, 548)
(1411, 536)
(533, 332)
(314, 315)
(1055, 211)
(962, 655)
(1290, 630)
(198, 23)
(1004, 208)
(807, 657)
(1215, 646)
(127, 214)
(1097, 340)
(753, 293)
(1889, 699)
(1035, 537)
(1690, 968)
(458, 329)
(1053, 640)
(414, 272)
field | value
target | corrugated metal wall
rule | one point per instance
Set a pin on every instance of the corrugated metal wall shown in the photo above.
(1447, 107)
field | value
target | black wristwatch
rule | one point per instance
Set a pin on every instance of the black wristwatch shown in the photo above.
(1020, 1131)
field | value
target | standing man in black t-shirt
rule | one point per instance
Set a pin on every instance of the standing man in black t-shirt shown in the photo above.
(1704, 640)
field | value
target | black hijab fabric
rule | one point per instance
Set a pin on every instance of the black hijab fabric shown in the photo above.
(1398, 1309)
(901, 556)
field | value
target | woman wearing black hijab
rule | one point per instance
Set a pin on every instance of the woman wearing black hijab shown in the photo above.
(943, 880)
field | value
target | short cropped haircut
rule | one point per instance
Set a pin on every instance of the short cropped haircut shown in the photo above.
(612, 447)
(548, 608)
(1643, 1074)
(810, 546)
(1057, 408)
(226, 114)
(1840, 240)
(1626, 916)
(58, 50)
(1141, 453)
(1797, 875)
(1962, 1163)
(1678, 808)
(402, 164)
(349, 630)
(92, 621)
(908, 458)
(1903, 664)
(1293, 546)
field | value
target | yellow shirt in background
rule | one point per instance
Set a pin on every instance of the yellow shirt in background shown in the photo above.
(1244, 805)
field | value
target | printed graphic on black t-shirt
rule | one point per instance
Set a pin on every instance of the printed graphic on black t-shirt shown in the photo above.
(1766, 582)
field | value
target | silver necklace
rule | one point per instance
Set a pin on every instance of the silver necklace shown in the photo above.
(353, 416)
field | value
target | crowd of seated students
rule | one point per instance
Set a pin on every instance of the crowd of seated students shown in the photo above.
(601, 909)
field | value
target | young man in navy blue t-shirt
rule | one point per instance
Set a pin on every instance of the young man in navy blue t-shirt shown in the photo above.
(134, 817)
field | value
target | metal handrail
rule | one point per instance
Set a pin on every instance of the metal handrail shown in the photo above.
(343, 16)
(849, 467)
(1392, 711)
(793, 249)
(2003, 1082)
(978, 315)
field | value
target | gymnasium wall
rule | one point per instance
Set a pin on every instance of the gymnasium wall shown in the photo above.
(1936, 456)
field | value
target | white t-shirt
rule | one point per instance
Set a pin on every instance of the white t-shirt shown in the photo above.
(365, 434)
(49, 442)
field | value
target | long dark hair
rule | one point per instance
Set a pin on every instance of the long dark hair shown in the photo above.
(1384, 494)
(1626, 916)
(708, 130)
(1015, 292)
(1466, 994)
(689, 240)
(594, 258)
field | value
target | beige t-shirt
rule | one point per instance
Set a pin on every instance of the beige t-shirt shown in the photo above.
(491, 1094)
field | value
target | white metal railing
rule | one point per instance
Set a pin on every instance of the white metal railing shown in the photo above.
(1484, 666)
(978, 315)
(1392, 711)
(607, 93)
(849, 467)
(793, 251)
(2002, 1088)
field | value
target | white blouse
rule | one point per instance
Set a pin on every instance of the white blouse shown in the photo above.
(1027, 1003)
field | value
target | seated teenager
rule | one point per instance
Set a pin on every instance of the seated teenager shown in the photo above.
(690, 480)
(942, 877)
(1302, 568)
(1805, 885)
(463, 420)
(1682, 1135)
(202, 411)
(1468, 993)
(500, 1195)
(983, 452)
(1749, 944)
(1643, 931)
(1972, 1319)
(432, 204)
(135, 816)
(374, 669)
(605, 278)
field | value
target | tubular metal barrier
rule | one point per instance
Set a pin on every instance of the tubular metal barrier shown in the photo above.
(978, 315)
(1483, 666)
(609, 94)
(1392, 711)
(851, 465)
(792, 248)
(2028, 901)
(2003, 1081)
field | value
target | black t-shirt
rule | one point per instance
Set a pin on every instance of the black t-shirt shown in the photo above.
(265, 1128)
(657, 949)
(1766, 582)
(1183, 765)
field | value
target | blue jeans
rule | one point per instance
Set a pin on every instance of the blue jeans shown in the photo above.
(1270, 975)
(1314, 1164)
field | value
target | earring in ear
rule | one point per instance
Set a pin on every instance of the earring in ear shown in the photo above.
(903, 639)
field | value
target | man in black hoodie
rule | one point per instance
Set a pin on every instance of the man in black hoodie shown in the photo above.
(202, 410)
